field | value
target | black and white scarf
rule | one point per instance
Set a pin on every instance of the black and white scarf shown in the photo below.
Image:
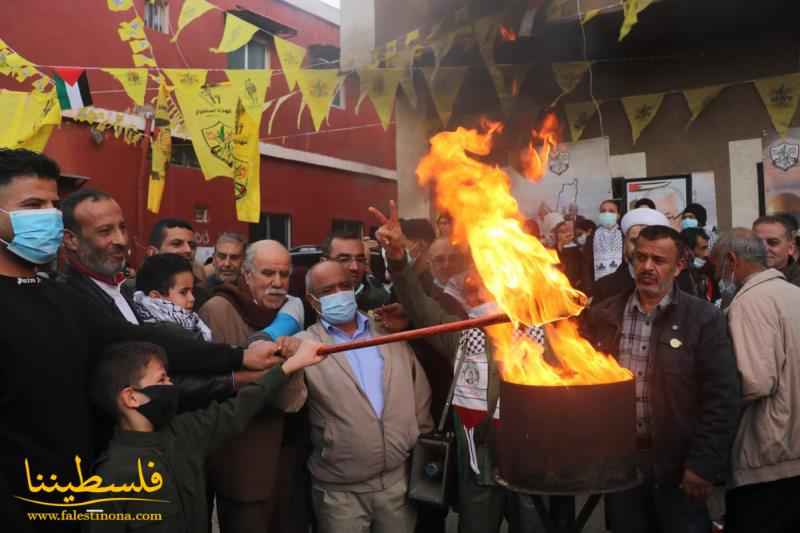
(608, 244)
(154, 310)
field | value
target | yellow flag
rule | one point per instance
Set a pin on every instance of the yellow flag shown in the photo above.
(589, 15)
(391, 49)
(319, 87)
(187, 78)
(570, 75)
(780, 96)
(139, 45)
(291, 57)
(120, 5)
(141, 60)
(133, 80)
(508, 80)
(27, 119)
(444, 88)
(161, 153)
(641, 110)
(43, 83)
(162, 115)
(251, 86)
(237, 34)
(486, 36)
(191, 10)
(132, 30)
(412, 37)
(381, 86)
(699, 99)
(578, 116)
(402, 62)
(247, 167)
(631, 10)
(209, 114)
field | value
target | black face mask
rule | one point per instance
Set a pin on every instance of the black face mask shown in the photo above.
(163, 404)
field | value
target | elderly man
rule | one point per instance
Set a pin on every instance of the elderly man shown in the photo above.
(347, 248)
(51, 336)
(97, 248)
(227, 260)
(367, 408)
(622, 280)
(687, 389)
(763, 317)
(245, 473)
(778, 237)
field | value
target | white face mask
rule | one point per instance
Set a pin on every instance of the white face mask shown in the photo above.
(699, 262)
(581, 240)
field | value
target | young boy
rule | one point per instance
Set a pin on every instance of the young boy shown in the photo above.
(163, 452)
(164, 294)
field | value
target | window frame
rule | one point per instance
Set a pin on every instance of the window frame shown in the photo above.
(162, 7)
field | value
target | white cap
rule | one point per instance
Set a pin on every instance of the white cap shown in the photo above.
(642, 216)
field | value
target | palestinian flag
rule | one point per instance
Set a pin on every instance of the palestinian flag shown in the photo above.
(73, 88)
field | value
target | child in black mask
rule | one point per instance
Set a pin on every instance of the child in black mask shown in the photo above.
(164, 453)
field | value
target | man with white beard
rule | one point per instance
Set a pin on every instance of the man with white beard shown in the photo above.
(245, 472)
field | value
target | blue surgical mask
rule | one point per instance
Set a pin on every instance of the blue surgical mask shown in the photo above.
(607, 219)
(339, 307)
(689, 223)
(37, 234)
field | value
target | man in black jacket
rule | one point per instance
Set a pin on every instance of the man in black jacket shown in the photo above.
(51, 338)
(687, 390)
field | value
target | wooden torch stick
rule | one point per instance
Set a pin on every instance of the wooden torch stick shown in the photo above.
(416, 333)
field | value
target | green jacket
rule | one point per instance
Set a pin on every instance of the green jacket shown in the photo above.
(424, 311)
(178, 453)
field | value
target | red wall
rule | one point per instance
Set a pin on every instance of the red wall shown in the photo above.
(84, 33)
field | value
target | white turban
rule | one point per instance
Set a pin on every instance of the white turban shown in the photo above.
(643, 216)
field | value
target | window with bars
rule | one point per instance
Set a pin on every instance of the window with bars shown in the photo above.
(273, 226)
(156, 15)
(253, 55)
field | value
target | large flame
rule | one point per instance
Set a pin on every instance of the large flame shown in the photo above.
(516, 268)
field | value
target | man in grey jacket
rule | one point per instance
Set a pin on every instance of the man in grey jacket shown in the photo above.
(764, 316)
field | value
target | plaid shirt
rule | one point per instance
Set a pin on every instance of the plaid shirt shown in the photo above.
(634, 352)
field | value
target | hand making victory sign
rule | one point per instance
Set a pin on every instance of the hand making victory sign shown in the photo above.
(390, 234)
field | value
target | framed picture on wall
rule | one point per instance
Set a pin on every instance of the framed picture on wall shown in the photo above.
(671, 194)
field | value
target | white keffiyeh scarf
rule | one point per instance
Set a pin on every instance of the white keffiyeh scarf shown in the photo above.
(153, 310)
(607, 251)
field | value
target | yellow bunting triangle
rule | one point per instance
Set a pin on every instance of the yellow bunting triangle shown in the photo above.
(187, 78)
(402, 61)
(444, 88)
(699, 99)
(141, 60)
(42, 84)
(133, 80)
(641, 110)
(319, 87)
(381, 86)
(191, 10)
(237, 33)
(412, 37)
(27, 119)
(120, 5)
(589, 15)
(161, 153)
(139, 45)
(132, 30)
(390, 50)
(291, 57)
(508, 80)
(780, 96)
(251, 86)
(209, 114)
(578, 116)
(247, 167)
(631, 10)
(486, 36)
(442, 47)
(570, 75)
(162, 113)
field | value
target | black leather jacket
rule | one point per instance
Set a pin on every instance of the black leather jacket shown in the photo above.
(695, 393)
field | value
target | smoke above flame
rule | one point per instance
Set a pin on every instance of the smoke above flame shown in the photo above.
(521, 274)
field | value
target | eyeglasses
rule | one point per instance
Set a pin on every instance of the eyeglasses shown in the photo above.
(347, 259)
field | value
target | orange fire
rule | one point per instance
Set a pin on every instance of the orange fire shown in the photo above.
(508, 34)
(534, 159)
(515, 267)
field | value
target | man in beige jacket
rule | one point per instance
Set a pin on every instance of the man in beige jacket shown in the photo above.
(366, 407)
(764, 318)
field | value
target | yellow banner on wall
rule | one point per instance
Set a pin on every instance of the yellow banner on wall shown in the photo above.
(699, 99)
(444, 87)
(780, 96)
(161, 153)
(120, 5)
(641, 110)
(570, 75)
(237, 33)
(251, 86)
(247, 167)
(402, 61)
(578, 116)
(191, 10)
(133, 80)
(319, 87)
(141, 60)
(631, 10)
(291, 57)
(132, 30)
(381, 87)
(27, 119)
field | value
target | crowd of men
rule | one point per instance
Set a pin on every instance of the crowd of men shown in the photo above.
(213, 375)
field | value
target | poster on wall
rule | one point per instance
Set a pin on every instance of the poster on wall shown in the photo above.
(671, 194)
(782, 173)
(704, 192)
(578, 179)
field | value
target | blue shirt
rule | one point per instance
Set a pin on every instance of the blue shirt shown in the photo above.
(366, 363)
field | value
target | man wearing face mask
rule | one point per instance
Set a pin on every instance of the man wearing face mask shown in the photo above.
(696, 216)
(763, 317)
(697, 277)
(347, 249)
(366, 407)
(246, 472)
(482, 504)
(603, 250)
(52, 336)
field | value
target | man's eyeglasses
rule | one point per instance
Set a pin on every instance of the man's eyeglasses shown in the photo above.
(347, 259)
